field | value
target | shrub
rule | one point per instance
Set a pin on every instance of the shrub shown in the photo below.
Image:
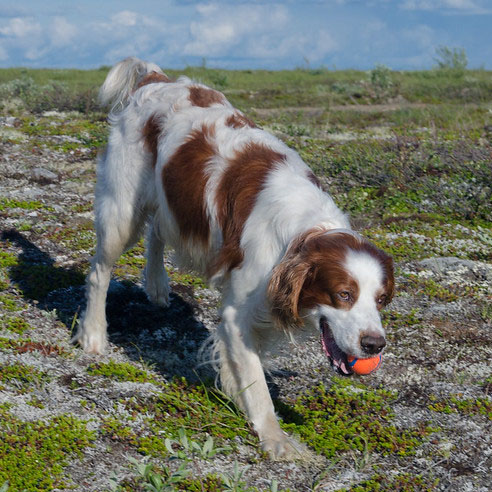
(451, 58)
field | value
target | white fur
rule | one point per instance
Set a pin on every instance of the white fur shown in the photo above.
(129, 194)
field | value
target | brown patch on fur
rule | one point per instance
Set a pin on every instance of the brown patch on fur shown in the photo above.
(184, 180)
(238, 120)
(312, 273)
(313, 178)
(205, 97)
(152, 78)
(238, 189)
(151, 132)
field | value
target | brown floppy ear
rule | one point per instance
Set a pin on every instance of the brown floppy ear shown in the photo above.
(285, 286)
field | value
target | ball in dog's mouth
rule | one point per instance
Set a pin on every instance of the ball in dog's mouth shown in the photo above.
(335, 354)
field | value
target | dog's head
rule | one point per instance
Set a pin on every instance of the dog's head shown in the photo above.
(338, 282)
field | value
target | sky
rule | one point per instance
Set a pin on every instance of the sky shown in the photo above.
(244, 34)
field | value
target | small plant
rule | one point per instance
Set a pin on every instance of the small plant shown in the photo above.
(233, 481)
(187, 447)
(381, 78)
(451, 58)
(153, 482)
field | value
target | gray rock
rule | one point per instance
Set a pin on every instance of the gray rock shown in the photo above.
(44, 176)
(443, 266)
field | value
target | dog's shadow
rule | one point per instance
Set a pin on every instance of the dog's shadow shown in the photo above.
(167, 339)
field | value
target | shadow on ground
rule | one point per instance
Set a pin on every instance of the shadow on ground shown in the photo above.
(168, 339)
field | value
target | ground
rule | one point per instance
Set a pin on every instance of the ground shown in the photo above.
(413, 169)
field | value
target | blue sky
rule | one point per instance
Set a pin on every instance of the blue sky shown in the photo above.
(401, 34)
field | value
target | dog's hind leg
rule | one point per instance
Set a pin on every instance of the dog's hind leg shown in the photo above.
(118, 227)
(156, 279)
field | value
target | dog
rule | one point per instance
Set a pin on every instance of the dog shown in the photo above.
(242, 209)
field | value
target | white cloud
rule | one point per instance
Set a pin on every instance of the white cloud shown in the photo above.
(125, 18)
(62, 32)
(463, 6)
(421, 36)
(223, 27)
(19, 27)
(255, 31)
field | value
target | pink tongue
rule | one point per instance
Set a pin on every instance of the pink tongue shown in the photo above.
(337, 357)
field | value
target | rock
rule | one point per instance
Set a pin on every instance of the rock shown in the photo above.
(44, 176)
(446, 266)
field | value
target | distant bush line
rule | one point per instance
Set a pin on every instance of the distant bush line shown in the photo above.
(39, 90)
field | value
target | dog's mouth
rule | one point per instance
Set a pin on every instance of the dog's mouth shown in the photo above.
(337, 357)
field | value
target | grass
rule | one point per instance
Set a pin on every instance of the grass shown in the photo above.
(77, 89)
(199, 410)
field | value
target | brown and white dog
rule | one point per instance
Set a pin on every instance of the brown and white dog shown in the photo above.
(243, 210)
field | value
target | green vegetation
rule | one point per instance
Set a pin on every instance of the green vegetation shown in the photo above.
(34, 454)
(407, 154)
(465, 406)
(14, 324)
(451, 58)
(346, 417)
(401, 482)
(66, 90)
(8, 203)
(198, 410)
(120, 371)
(24, 378)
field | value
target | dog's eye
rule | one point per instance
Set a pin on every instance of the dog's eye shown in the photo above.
(382, 299)
(344, 295)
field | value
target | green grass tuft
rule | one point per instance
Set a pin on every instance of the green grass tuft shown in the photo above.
(33, 455)
(346, 417)
(120, 371)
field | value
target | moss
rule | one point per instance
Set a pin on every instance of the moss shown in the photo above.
(24, 378)
(180, 405)
(6, 203)
(120, 371)
(9, 302)
(7, 259)
(88, 133)
(401, 482)
(346, 417)
(14, 324)
(464, 406)
(417, 236)
(33, 455)
(429, 288)
(80, 237)
(130, 263)
(186, 279)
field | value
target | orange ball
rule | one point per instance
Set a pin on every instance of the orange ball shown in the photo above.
(364, 366)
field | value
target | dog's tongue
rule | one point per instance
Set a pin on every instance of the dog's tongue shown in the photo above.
(337, 357)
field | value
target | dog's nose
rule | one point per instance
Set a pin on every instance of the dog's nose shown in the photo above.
(372, 344)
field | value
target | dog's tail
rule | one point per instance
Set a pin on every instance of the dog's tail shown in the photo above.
(123, 79)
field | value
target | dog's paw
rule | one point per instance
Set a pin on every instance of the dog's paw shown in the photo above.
(286, 448)
(92, 342)
(157, 290)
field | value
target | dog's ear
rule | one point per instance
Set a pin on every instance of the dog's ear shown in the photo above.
(285, 285)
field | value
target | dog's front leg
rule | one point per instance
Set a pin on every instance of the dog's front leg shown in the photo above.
(242, 377)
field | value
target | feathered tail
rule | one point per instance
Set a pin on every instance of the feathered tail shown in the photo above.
(122, 80)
